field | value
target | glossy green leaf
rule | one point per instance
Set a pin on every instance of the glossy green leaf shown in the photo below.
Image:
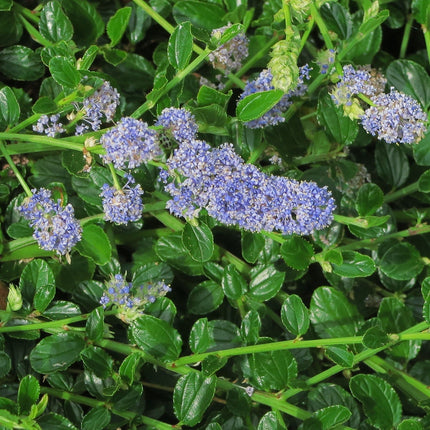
(265, 282)
(198, 241)
(60, 309)
(272, 370)
(354, 265)
(202, 14)
(297, 252)
(200, 336)
(9, 108)
(96, 418)
(64, 72)
(369, 198)
(422, 151)
(212, 364)
(375, 337)
(250, 327)
(28, 393)
(340, 355)
(130, 366)
(43, 297)
(255, 105)
(98, 361)
(381, 403)
(117, 25)
(21, 63)
(44, 105)
(207, 96)
(54, 24)
(53, 421)
(180, 46)
(6, 5)
(372, 23)
(337, 19)
(233, 283)
(424, 182)
(402, 262)
(205, 297)
(94, 244)
(421, 11)
(156, 337)
(410, 78)
(88, 58)
(238, 402)
(391, 164)
(57, 352)
(224, 335)
(5, 364)
(94, 327)
(332, 315)
(410, 424)
(269, 421)
(327, 418)
(331, 117)
(192, 395)
(295, 315)
(252, 244)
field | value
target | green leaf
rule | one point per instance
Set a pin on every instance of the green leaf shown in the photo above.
(410, 78)
(192, 395)
(57, 352)
(327, 418)
(250, 327)
(340, 355)
(61, 309)
(45, 105)
(64, 72)
(238, 402)
(96, 418)
(375, 337)
(114, 56)
(21, 63)
(88, 58)
(202, 14)
(224, 335)
(380, 402)
(272, 370)
(43, 297)
(354, 265)
(130, 366)
(53, 421)
(369, 198)
(212, 364)
(270, 422)
(410, 424)
(207, 96)
(424, 182)
(421, 11)
(28, 393)
(331, 117)
(6, 5)
(402, 262)
(198, 241)
(337, 19)
(200, 336)
(205, 297)
(265, 282)
(156, 337)
(94, 327)
(37, 276)
(5, 364)
(422, 151)
(95, 244)
(297, 252)
(233, 283)
(117, 25)
(371, 24)
(332, 314)
(180, 46)
(54, 24)
(98, 361)
(255, 105)
(9, 108)
(391, 164)
(252, 244)
(295, 315)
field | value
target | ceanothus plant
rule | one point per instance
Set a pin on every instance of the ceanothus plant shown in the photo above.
(214, 214)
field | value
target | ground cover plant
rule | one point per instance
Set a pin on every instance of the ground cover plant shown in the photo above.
(214, 214)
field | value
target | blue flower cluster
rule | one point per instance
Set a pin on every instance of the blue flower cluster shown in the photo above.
(103, 102)
(395, 118)
(124, 205)
(179, 122)
(264, 83)
(55, 227)
(131, 303)
(236, 193)
(49, 125)
(229, 56)
(130, 143)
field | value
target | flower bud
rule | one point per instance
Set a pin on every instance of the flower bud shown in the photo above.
(14, 299)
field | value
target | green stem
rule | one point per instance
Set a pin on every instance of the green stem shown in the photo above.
(366, 99)
(307, 32)
(426, 39)
(406, 36)
(45, 140)
(35, 35)
(15, 170)
(149, 104)
(116, 183)
(405, 191)
(30, 15)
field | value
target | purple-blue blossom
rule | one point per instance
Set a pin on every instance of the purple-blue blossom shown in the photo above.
(395, 118)
(180, 122)
(130, 143)
(55, 227)
(49, 125)
(124, 205)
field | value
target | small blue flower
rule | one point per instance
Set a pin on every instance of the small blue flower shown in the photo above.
(395, 118)
(49, 125)
(122, 206)
(180, 122)
(55, 227)
(130, 144)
